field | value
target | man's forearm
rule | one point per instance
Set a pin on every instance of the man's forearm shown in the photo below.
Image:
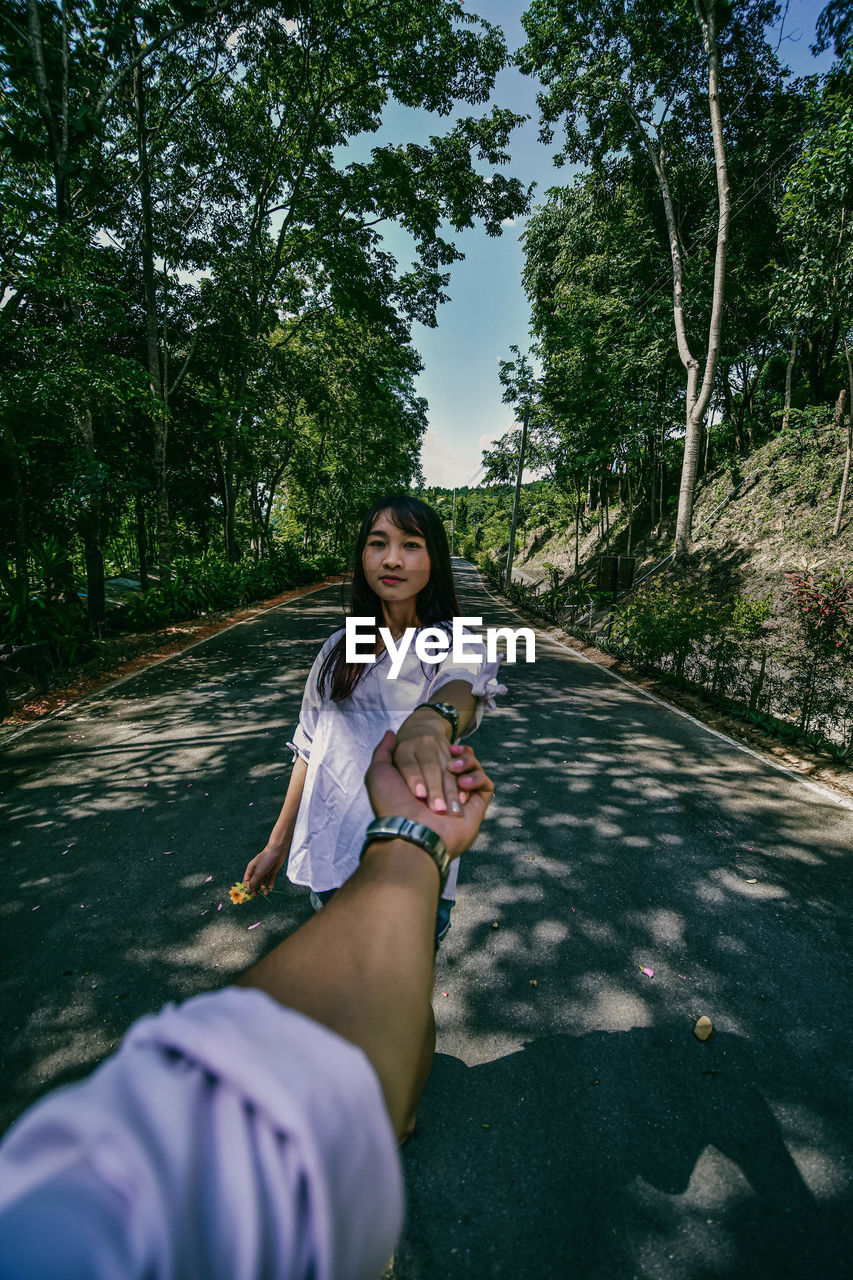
(364, 965)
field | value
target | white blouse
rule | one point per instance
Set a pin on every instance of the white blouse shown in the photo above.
(337, 740)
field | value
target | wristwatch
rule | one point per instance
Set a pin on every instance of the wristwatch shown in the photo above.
(415, 833)
(449, 713)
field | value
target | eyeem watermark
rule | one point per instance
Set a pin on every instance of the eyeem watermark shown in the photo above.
(432, 644)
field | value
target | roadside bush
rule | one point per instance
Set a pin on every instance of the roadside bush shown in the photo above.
(823, 608)
(660, 625)
(732, 664)
(50, 613)
(34, 619)
(212, 583)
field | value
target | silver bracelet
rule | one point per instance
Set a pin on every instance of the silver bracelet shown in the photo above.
(415, 833)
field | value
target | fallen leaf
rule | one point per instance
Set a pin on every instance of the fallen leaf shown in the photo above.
(208, 880)
(533, 982)
(495, 924)
(36, 908)
(704, 1027)
(752, 882)
(219, 908)
(650, 973)
(255, 925)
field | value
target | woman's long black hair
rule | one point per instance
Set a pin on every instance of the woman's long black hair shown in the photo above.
(436, 604)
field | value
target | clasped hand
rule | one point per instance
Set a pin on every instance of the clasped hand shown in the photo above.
(424, 757)
(391, 796)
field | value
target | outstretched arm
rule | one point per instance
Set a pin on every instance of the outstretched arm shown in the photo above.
(364, 965)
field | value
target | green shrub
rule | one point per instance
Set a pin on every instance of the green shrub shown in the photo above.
(212, 584)
(662, 624)
(34, 619)
(52, 614)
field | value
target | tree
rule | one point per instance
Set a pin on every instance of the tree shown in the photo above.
(816, 289)
(626, 80)
(186, 235)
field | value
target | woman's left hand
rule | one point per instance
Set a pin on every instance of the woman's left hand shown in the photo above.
(427, 761)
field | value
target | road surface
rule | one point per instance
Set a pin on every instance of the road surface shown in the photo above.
(642, 871)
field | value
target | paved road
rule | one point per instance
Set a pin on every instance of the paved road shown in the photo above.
(575, 1128)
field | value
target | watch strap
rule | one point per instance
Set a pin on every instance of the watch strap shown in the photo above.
(448, 712)
(424, 837)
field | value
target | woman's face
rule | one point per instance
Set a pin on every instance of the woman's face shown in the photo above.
(396, 564)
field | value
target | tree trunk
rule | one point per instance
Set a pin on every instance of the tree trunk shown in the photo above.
(789, 383)
(577, 533)
(141, 545)
(630, 509)
(308, 535)
(733, 418)
(229, 489)
(661, 489)
(839, 409)
(159, 416)
(19, 508)
(55, 111)
(698, 396)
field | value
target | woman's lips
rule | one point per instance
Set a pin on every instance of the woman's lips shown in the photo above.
(387, 578)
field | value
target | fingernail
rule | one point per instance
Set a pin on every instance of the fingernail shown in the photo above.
(439, 806)
(455, 806)
(468, 778)
(420, 790)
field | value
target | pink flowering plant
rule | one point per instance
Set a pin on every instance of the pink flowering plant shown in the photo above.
(823, 607)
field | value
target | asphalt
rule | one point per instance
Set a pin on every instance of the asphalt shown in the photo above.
(641, 870)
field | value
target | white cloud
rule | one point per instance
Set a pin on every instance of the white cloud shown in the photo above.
(448, 466)
(487, 439)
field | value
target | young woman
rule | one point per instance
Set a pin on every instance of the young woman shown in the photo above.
(402, 577)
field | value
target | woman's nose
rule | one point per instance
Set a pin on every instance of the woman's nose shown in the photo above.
(392, 556)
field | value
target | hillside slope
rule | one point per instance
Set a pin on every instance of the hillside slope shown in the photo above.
(782, 512)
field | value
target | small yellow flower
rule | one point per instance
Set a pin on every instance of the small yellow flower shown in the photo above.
(239, 893)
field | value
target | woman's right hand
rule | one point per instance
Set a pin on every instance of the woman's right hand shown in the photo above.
(261, 872)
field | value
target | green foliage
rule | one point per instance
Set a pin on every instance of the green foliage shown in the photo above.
(53, 617)
(823, 608)
(197, 301)
(59, 624)
(661, 624)
(211, 584)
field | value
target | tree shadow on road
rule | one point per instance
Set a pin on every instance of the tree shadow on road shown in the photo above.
(125, 821)
(641, 872)
(611, 1154)
(622, 838)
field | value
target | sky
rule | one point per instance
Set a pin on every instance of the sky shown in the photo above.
(488, 311)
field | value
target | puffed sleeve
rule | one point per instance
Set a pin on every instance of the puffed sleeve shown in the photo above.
(309, 712)
(481, 675)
